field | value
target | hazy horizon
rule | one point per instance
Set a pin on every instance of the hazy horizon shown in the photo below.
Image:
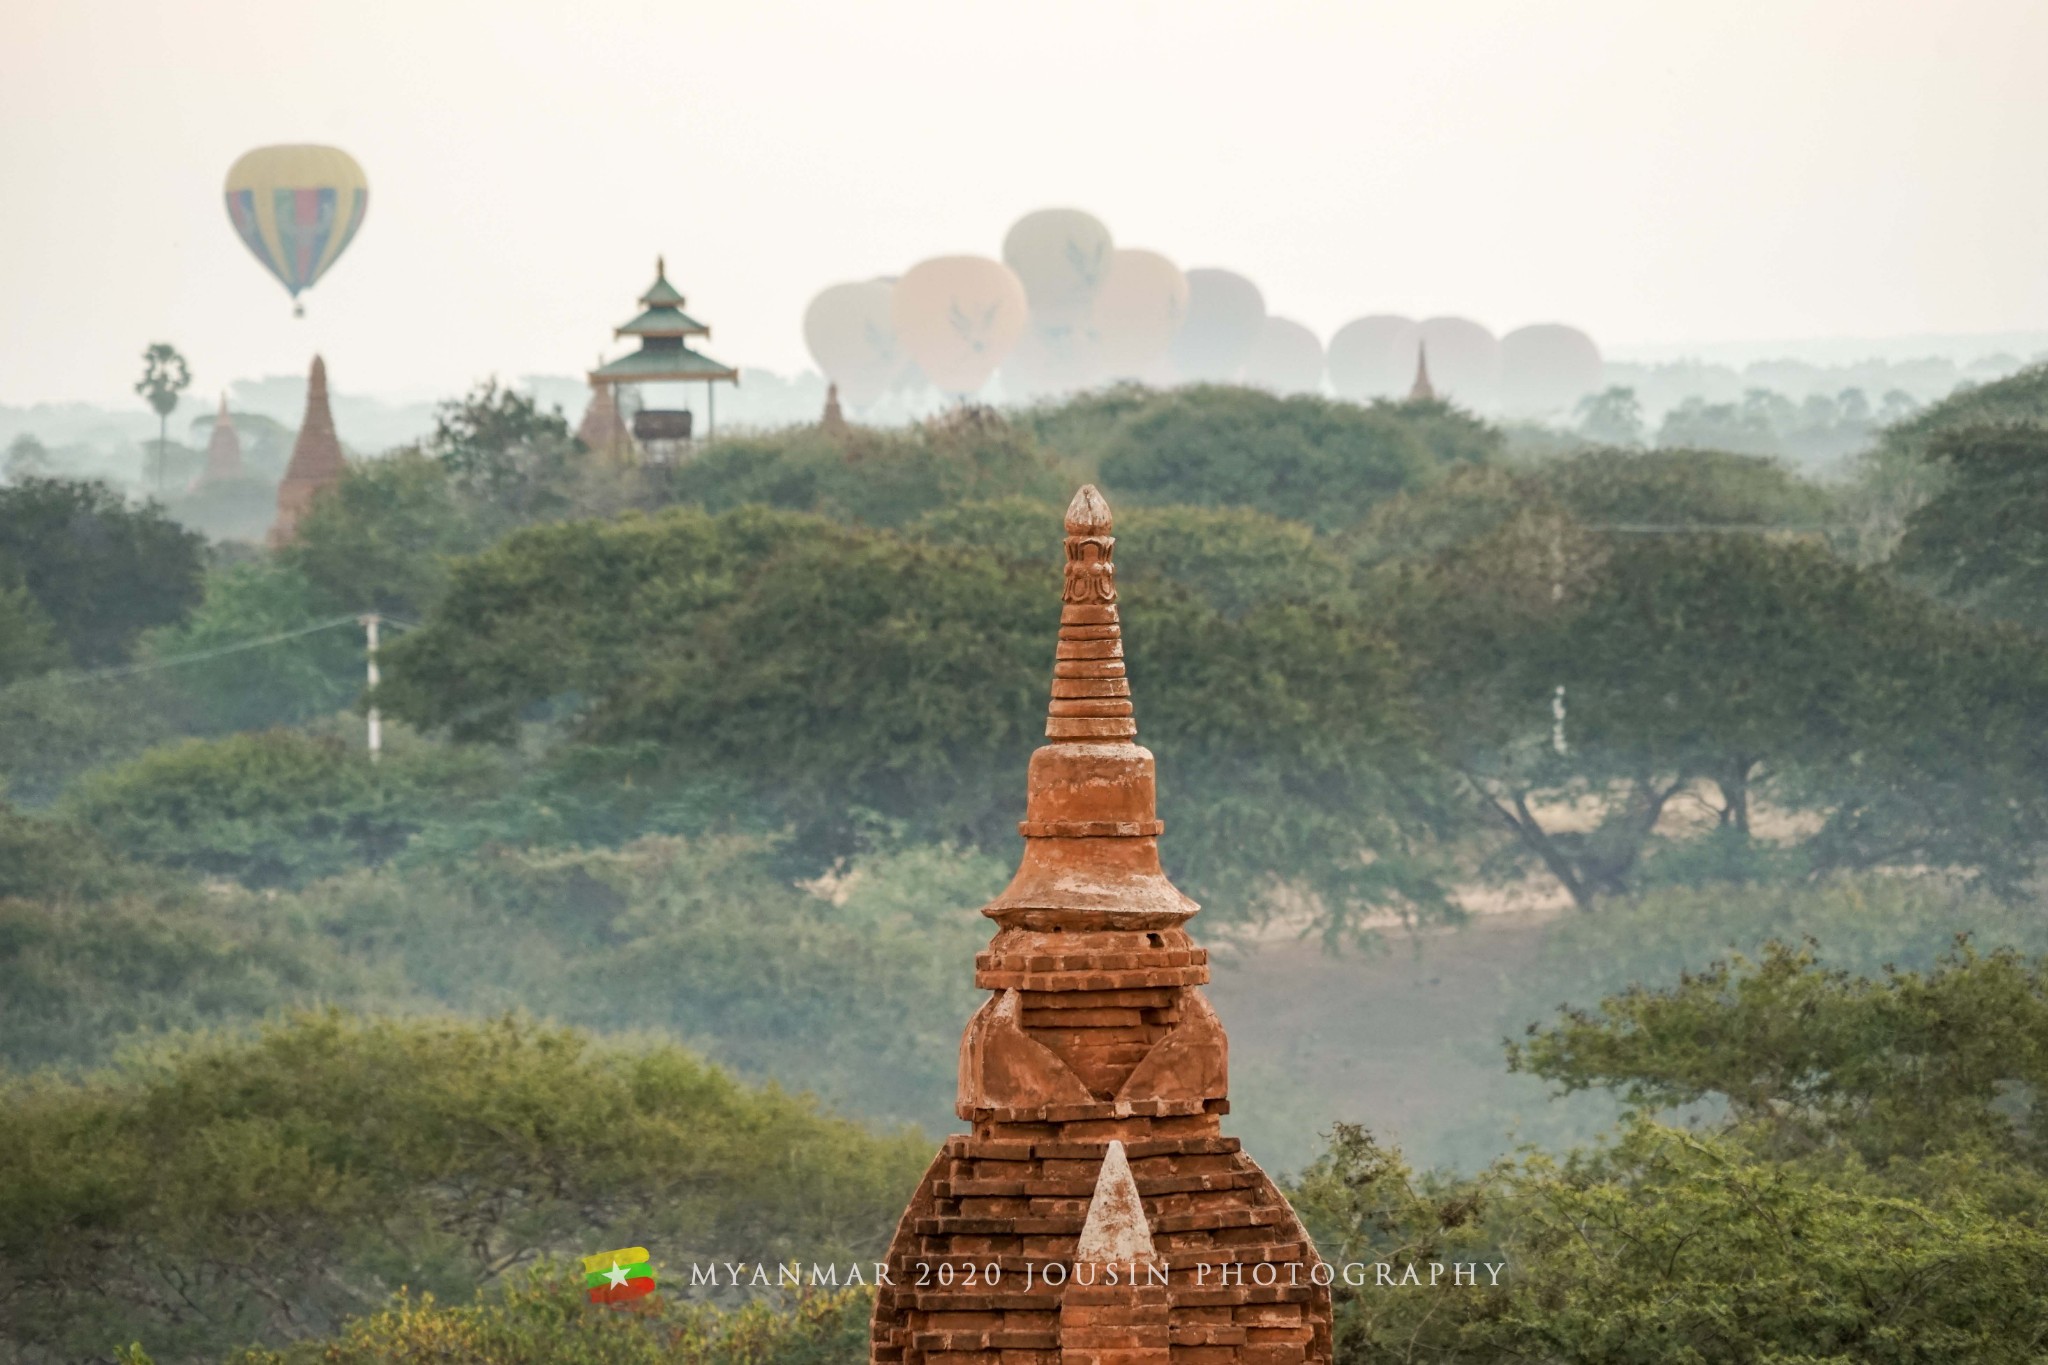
(1815, 170)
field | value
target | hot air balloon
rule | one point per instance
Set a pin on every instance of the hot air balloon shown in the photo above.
(852, 336)
(297, 208)
(1061, 255)
(1286, 358)
(1373, 357)
(958, 316)
(1225, 311)
(1464, 362)
(1546, 369)
(1138, 311)
(1049, 360)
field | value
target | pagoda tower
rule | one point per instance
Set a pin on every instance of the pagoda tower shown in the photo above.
(1421, 391)
(223, 448)
(833, 423)
(664, 357)
(603, 430)
(316, 464)
(1122, 1226)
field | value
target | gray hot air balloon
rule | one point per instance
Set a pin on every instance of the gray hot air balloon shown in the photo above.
(1286, 358)
(1464, 362)
(1225, 312)
(1546, 369)
(1062, 256)
(1374, 357)
(852, 336)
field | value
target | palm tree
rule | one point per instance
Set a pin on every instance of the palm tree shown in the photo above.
(164, 376)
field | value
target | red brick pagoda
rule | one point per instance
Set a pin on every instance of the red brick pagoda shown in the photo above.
(317, 463)
(1096, 1215)
(223, 449)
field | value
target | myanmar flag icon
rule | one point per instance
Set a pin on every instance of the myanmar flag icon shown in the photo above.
(615, 1276)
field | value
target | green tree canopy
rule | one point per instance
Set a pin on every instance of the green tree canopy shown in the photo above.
(1306, 459)
(1714, 663)
(1899, 1065)
(1904, 470)
(1613, 417)
(848, 674)
(1232, 558)
(1685, 487)
(2019, 397)
(547, 1320)
(274, 807)
(877, 477)
(1873, 1191)
(381, 538)
(26, 457)
(1678, 1245)
(500, 442)
(1983, 539)
(283, 683)
(100, 571)
(27, 644)
(238, 1189)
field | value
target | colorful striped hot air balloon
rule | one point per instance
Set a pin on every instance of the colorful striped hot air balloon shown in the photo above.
(297, 208)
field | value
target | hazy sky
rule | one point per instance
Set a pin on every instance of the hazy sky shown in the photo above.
(1649, 169)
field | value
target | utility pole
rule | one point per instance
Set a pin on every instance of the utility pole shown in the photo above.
(370, 622)
(1557, 595)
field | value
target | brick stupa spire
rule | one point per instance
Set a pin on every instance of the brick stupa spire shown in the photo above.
(1125, 1228)
(223, 448)
(833, 423)
(1421, 391)
(603, 429)
(316, 463)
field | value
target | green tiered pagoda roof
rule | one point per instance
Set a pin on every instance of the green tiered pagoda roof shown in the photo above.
(663, 355)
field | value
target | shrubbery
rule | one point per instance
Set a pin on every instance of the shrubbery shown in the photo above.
(1326, 464)
(275, 807)
(546, 1322)
(1876, 1194)
(853, 990)
(238, 1190)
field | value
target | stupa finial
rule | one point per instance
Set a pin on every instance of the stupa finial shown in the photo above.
(1091, 698)
(1088, 513)
(1091, 821)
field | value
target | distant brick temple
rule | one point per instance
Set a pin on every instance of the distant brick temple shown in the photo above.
(223, 449)
(317, 463)
(1096, 1215)
(603, 428)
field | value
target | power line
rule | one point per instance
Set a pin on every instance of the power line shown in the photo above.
(1653, 528)
(152, 665)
